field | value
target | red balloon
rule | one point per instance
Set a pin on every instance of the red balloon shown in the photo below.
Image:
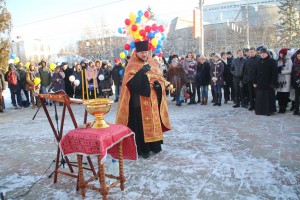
(161, 28)
(127, 47)
(134, 27)
(142, 32)
(145, 38)
(150, 46)
(127, 22)
(154, 27)
(160, 54)
(137, 40)
(147, 14)
(148, 28)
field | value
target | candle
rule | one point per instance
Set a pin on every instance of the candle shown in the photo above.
(82, 84)
(87, 85)
(94, 80)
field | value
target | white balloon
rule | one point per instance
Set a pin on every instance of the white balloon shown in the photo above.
(11, 61)
(158, 36)
(72, 78)
(101, 77)
(76, 82)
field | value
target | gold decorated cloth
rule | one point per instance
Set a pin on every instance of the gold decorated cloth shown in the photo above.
(155, 119)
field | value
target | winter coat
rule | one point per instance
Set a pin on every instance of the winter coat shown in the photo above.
(203, 74)
(105, 84)
(58, 82)
(284, 75)
(249, 69)
(227, 74)
(68, 84)
(265, 74)
(30, 75)
(14, 88)
(176, 76)
(89, 73)
(115, 72)
(216, 71)
(78, 76)
(237, 67)
(190, 68)
(296, 73)
(22, 74)
(45, 75)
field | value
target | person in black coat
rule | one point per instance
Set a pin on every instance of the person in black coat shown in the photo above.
(68, 84)
(228, 86)
(117, 75)
(248, 75)
(202, 79)
(264, 82)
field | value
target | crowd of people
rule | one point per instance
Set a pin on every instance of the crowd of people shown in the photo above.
(254, 79)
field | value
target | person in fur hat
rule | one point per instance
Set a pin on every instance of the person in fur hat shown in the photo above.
(284, 64)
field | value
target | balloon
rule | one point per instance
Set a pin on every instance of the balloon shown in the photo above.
(145, 38)
(127, 22)
(157, 50)
(120, 30)
(76, 82)
(159, 44)
(148, 28)
(160, 54)
(154, 42)
(52, 66)
(132, 45)
(144, 18)
(6, 68)
(132, 17)
(122, 55)
(37, 80)
(126, 52)
(142, 32)
(11, 61)
(150, 46)
(126, 46)
(121, 72)
(138, 20)
(16, 60)
(140, 13)
(158, 35)
(27, 64)
(134, 27)
(163, 36)
(136, 35)
(147, 14)
(12, 56)
(161, 28)
(72, 78)
(101, 77)
(154, 27)
(150, 35)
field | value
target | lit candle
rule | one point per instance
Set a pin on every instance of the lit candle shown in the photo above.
(82, 84)
(94, 80)
(87, 85)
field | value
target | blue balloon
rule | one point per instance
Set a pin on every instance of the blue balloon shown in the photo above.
(163, 36)
(126, 52)
(13, 56)
(150, 35)
(159, 44)
(121, 72)
(140, 13)
(157, 50)
(132, 45)
(120, 30)
(138, 20)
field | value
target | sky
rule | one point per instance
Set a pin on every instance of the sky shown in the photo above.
(52, 21)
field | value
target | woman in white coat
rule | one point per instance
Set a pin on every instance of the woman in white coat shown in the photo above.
(284, 79)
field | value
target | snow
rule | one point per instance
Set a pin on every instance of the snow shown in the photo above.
(211, 153)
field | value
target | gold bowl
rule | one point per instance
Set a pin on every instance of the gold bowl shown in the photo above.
(98, 107)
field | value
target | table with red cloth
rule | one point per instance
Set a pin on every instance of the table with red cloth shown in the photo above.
(117, 140)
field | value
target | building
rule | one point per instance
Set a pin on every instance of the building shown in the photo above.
(32, 50)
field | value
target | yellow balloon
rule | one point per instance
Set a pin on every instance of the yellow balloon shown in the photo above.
(132, 17)
(6, 68)
(122, 55)
(154, 42)
(144, 18)
(27, 64)
(16, 60)
(37, 80)
(136, 35)
(52, 66)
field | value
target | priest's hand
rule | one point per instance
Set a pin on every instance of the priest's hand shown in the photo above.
(146, 68)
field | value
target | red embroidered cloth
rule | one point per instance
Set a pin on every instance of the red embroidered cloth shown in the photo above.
(100, 141)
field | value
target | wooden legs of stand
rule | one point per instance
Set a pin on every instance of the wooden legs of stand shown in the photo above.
(104, 189)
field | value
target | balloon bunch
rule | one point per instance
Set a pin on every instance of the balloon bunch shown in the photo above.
(138, 27)
(13, 59)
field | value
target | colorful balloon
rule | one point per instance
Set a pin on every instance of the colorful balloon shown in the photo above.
(11, 61)
(76, 82)
(36, 80)
(142, 32)
(126, 46)
(134, 27)
(154, 42)
(101, 77)
(147, 14)
(120, 30)
(27, 64)
(154, 27)
(148, 28)
(72, 78)
(138, 20)
(126, 52)
(122, 55)
(140, 13)
(132, 17)
(127, 22)
(52, 66)
(161, 28)
(12, 56)
(16, 60)
(132, 45)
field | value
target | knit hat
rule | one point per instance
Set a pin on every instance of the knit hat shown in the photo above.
(264, 50)
(284, 51)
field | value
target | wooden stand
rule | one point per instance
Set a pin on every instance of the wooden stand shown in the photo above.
(84, 184)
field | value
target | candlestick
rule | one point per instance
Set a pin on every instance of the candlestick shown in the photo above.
(82, 84)
(94, 80)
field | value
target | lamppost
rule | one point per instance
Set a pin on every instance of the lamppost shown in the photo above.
(201, 41)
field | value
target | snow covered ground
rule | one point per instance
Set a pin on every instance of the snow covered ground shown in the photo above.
(211, 153)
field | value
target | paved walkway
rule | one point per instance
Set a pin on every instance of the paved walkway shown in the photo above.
(211, 153)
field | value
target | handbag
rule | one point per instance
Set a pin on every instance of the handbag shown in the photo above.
(186, 95)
